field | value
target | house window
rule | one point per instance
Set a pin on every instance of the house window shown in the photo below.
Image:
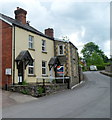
(61, 49)
(44, 67)
(31, 40)
(43, 45)
(31, 68)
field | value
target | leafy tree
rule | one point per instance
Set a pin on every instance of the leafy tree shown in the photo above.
(88, 49)
(95, 59)
(91, 48)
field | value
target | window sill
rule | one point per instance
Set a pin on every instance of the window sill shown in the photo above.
(44, 75)
(44, 52)
(31, 49)
(31, 75)
(60, 54)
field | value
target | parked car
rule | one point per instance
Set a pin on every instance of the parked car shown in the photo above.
(93, 68)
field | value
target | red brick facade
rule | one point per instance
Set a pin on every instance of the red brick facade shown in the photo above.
(6, 40)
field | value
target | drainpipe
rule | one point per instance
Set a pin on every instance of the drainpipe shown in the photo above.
(54, 54)
(79, 70)
(14, 57)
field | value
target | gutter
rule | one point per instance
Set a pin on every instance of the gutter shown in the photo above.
(40, 34)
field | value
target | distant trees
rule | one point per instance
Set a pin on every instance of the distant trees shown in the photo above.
(93, 55)
(95, 59)
(90, 48)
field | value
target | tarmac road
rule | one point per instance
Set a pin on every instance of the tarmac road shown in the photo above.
(91, 99)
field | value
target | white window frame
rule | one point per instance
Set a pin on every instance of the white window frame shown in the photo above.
(44, 46)
(59, 49)
(31, 66)
(45, 67)
(31, 42)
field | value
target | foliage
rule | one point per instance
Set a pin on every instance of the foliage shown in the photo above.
(100, 67)
(94, 56)
(105, 64)
(95, 59)
(54, 81)
(84, 68)
(24, 83)
(88, 49)
(40, 90)
(24, 91)
(91, 48)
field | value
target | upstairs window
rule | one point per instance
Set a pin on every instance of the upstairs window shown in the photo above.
(44, 69)
(43, 46)
(61, 49)
(31, 68)
(31, 42)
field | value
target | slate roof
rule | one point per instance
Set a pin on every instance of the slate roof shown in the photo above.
(57, 60)
(24, 56)
(24, 26)
(53, 61)
(62, 59)
(61, 40)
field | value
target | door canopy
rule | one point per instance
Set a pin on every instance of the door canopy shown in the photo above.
(24, 57)
(55, 61)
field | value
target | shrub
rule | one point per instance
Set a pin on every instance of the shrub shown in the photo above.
(24, 83)
(84, 68)
(24, 91)
(105, 64)
(100, 67)
(40, 90)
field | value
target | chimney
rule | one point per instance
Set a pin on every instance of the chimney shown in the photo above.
(49, 32)
(20, 15)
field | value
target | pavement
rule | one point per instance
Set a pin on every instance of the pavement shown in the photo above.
(14, 98)
(106, 73)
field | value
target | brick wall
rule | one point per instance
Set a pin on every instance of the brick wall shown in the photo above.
(6, 35)
(0, 52)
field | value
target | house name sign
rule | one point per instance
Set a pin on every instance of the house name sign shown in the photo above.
(8, 71)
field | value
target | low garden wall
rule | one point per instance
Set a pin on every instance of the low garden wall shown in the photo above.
(37, 90)
(108, 68)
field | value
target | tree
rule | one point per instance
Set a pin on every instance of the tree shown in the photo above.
(91, 48)
(95, 59)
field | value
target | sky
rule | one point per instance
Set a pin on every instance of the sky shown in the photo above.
(82, 21)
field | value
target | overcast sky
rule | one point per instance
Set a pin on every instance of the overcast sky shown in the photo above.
(81, 22)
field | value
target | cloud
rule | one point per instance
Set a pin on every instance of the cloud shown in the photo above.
(77, 39)
(81, 21)
(107, 48)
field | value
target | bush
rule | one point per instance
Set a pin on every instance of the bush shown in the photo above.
(105, 64)
(24, 83)
(85, 68)
(100, 67)
(24, 91)
(40, 90)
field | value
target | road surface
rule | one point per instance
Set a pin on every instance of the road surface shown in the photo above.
(91, 99)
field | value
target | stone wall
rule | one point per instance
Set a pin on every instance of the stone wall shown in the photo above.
(37, 90)
(108, 68)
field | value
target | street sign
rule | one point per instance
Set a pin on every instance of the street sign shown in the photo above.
(8, 71)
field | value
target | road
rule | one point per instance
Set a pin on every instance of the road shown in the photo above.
(91, 99)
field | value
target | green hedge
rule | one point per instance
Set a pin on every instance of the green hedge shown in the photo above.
(100, 67)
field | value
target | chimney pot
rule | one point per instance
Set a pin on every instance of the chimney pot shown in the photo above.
(49, 32)
(17, 8)
(20, 15)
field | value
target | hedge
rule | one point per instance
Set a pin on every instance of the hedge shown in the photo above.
(100, 67)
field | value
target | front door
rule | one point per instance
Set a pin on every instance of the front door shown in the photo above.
(20, 73)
